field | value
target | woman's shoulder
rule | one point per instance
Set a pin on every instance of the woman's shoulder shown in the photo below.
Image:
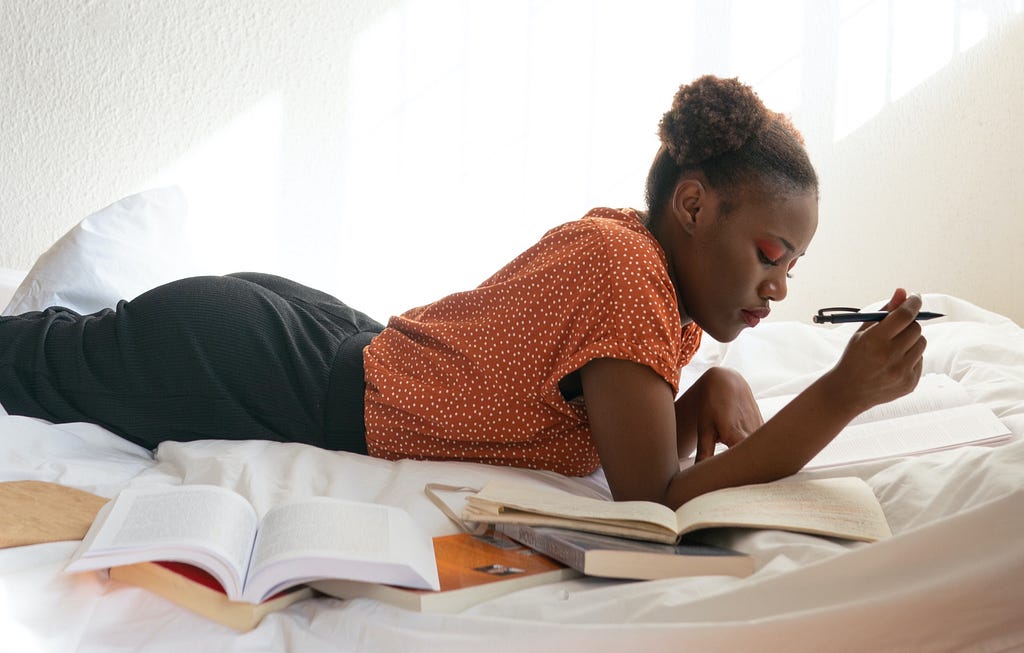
(604, 221)
(612, 218)
(605, 243)
(607, 229)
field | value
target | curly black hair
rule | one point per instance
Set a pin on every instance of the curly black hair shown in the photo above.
(721, 127)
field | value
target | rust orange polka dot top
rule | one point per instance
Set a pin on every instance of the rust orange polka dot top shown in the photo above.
(474, 376)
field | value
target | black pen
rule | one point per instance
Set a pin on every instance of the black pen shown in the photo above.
(843, 315)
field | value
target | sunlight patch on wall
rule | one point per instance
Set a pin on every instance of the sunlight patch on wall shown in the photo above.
(474, 127)
(862, 75)
(467, 129)
(504, 120)
(886, 48)
(771, 59)
(232, 183)
(922, 42)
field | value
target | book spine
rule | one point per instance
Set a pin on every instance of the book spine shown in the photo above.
(560, 551)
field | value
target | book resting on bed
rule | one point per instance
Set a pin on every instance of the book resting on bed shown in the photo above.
(219, 531)
(843, 507)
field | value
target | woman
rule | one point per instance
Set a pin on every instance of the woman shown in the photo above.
(567, 358)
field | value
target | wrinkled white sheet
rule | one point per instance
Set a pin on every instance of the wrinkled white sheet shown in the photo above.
(950, 579)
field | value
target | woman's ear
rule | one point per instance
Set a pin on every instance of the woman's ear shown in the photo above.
(687, 201)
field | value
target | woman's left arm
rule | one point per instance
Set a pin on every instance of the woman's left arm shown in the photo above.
(641, 430)
(718, 407)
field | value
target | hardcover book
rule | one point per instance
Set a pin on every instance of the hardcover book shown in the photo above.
(193, 589)
(608, 556)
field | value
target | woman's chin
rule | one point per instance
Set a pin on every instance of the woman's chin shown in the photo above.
(722, 330)
(724, 334)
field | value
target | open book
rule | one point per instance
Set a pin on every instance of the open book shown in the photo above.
(837, 507)
(938, 414)
(218, 531)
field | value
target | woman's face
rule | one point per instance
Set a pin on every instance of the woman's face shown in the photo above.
(730, 262)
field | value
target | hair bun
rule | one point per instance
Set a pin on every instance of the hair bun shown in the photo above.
(711, 116)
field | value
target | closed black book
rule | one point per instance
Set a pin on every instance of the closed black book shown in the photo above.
(617, 557)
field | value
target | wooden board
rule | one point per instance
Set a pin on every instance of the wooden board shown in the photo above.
(33, 512)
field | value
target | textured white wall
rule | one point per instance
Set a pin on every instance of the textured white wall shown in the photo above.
(308, 133)
(929, 192)
(101, 96)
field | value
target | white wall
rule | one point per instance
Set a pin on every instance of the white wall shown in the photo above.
(392, 151)
(930, 191)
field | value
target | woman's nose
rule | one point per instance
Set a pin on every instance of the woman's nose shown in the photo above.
(775, 287)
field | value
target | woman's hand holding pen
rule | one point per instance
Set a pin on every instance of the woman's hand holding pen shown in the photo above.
(882, 360)
(637, 431)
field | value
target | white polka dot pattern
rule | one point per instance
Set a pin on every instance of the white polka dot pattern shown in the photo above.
(475, 375)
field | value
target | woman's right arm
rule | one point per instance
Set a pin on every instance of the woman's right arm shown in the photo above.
(881, 362)
(634, 425)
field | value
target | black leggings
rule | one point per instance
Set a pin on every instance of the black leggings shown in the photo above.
(238, 357)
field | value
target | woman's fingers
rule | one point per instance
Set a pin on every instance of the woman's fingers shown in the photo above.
(707, 437)
(898, 297)
(900, 318)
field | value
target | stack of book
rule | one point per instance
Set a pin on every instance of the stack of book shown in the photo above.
(204, 548)
(235, 568)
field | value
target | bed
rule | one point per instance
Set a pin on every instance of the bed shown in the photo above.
(950, 579)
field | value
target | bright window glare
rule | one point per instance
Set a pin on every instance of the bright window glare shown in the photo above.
(887, 48)
(435, 33)
(862, 65)
(770, 58)
(458, 132)
(922, 41)
(232, 183)
(973, 27)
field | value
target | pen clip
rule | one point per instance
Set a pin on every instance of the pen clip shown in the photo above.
(825, 314)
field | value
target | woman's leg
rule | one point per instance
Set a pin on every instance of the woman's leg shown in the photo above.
(208, 357)
(344, 423)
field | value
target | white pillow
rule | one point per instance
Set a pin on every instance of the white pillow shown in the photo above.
(116, 253)
(9, 282)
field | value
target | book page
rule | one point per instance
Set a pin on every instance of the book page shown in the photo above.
(309, 528)
(933, 392)
(326, 537)
(938, 414)
(912, 434)
(210, 526)
(497, 498)
(844, 507)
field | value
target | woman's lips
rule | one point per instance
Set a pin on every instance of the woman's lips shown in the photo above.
(753, 316)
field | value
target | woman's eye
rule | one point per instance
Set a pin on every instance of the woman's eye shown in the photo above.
(769, 251)
(766, 259)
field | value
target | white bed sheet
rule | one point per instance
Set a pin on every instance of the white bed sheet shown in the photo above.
(950, 579)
